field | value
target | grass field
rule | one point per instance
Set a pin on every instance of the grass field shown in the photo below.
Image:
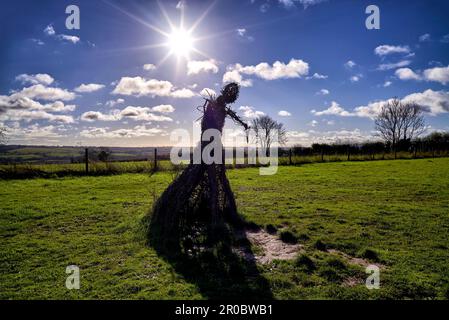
(392, 213)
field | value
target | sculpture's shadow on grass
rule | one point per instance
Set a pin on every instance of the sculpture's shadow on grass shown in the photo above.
(222, 272)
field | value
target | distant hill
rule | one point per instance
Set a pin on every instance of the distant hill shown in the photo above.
(67, 154)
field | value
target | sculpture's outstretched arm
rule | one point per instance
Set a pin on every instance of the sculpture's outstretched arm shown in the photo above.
(236, 118)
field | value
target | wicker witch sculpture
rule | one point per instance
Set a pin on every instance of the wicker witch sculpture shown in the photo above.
(198, 206)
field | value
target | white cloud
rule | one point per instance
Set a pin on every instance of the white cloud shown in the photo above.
(425, 37)
(306, 3)
(49, 30)
(138, 86)
(387, 84)
(58, 106)
(438, 74)
(250, 113)
(384, 50)
(41, 92)
(149, 66)
(334, 109)
(181, 5)
(295, 68)
(241, 31)
(434, 103)
(323, 92)
(264, 7)
(40, 78)
(279, 70)
(18, 102)
(407, 74)
(18, 108)
(34, 132)
(112, 103)
(137, 131)
(317, 76)
(142, 114)
(163, 108)
(445, 39)
(355, 78)
(72, 39)
(389, 66)
(195, 67)
(243, 34)
(206, 92)
(313, 123)
(39, 42)
(91, 87)
(235, 76)
(91, 116)
(297, 135)
(284, 113)
(183, 93)
(130, 112)
(334, 136)
(350, 64)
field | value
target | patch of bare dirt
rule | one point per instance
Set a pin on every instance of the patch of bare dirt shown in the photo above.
(269, 247)
(353, 260)
(352, 282)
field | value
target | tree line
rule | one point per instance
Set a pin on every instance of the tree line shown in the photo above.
(435, 143)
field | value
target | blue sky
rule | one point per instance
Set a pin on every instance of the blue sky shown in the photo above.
(311, 64)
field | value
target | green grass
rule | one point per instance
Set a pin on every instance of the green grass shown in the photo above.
(392, 212)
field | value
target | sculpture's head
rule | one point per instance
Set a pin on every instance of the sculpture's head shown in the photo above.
(230, 93)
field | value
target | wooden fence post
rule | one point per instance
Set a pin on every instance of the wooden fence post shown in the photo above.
(155, 160)
(290, 157)
(86, 159)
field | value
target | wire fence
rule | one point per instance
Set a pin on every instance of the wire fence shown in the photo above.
(161, 162)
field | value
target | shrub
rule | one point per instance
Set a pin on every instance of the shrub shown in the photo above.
(271, 229)
(320, 245)
(370, 255)
(303, 237)
(304, 262)
(336, 264)
(330, 274)
(288, 237)
(446, 292)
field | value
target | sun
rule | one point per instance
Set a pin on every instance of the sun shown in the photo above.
(181, 43)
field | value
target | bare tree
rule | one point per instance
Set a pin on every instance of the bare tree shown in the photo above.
(104, 155)
(412, 121)
(398, 121)
(267, 131)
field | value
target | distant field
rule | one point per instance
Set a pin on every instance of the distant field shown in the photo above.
(391, 213)
(64, 155)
